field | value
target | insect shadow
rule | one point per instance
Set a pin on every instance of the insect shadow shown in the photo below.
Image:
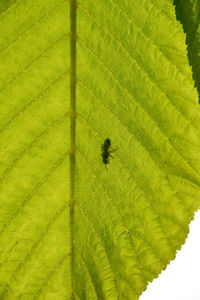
(106, 152)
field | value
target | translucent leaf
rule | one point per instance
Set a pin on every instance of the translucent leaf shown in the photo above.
(73, 74)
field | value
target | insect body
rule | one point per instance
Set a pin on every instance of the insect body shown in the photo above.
(106, 153)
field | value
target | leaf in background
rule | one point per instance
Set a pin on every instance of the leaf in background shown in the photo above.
(81, 229)
(188, 12)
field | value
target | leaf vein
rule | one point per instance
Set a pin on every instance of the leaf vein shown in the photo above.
(5, 11)
(87, 269)
(34, 191)
(148, 37)
(34, 60)
(27, 148)
(101, 242)
(36, 244)
(27, 29)
(51, 273)
(33, 100)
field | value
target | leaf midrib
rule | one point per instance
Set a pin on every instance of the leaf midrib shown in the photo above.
(72, 129)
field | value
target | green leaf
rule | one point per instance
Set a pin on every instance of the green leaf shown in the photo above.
(73, 74)
(188, 12)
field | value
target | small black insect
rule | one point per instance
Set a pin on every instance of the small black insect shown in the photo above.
(106, 153)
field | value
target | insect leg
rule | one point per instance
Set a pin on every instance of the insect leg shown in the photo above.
(109, 154)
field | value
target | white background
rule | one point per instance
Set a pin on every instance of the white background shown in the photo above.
(181, 279)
